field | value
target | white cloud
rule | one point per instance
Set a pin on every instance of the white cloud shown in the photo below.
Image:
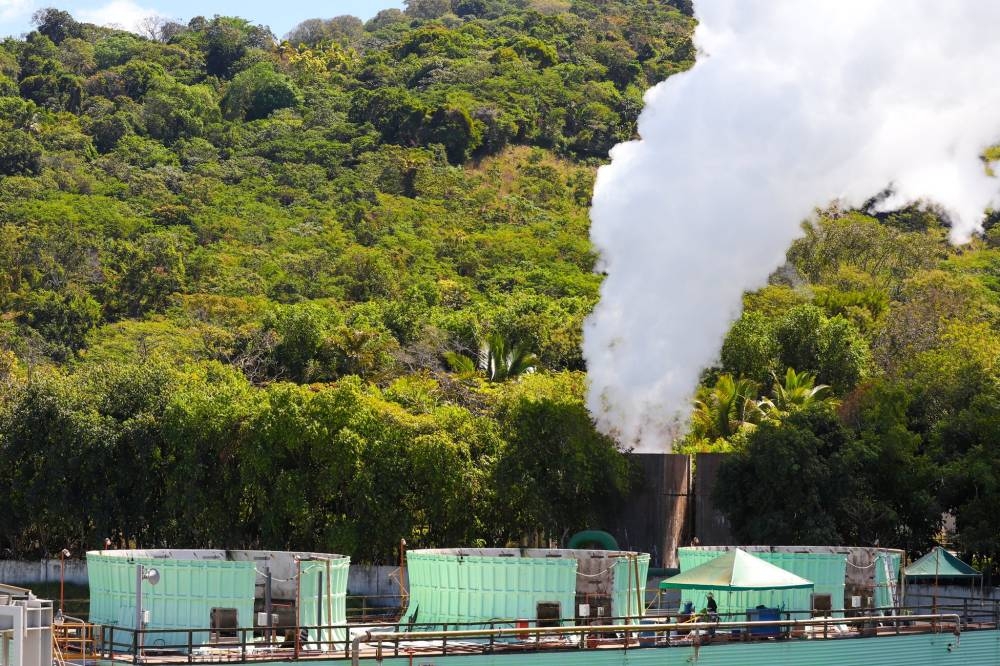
(11, 10)
(123, 14)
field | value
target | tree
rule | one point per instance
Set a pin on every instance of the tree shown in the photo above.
(61, 319)
(725, 410)
(173, 111)
(313, 32)
(750, 348)
(228, 40)
(797, 391)
(786, 484)
(427, 9)
(142, 275)
(499, 359)
(56, 24)
(832, 349)
(503, 359)
(20, 154)
(896, 482)
(257, 92)
(301, 352)
(557, 473)
(456, 130)
(965, 443)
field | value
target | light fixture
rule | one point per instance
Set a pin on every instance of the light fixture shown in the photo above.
(152, 575)
(63, 554)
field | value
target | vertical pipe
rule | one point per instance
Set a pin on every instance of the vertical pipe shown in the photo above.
(628, 593)
(319, 609)
(298, 602)
(640, 591)
(268, 634)
(138, 609)
(62, 581)
(329, 600)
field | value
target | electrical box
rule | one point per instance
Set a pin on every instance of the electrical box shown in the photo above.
(262, 619)
(146, 617)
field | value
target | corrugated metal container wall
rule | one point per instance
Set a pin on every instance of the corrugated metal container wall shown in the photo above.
(627, 593)
(825, 570)
(323, 599)
(449, 589)
(187, 592)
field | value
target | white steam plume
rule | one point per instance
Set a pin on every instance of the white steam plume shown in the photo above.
(790, 106)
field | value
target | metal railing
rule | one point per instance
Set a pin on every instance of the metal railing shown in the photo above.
(248, 644)
(378, 639)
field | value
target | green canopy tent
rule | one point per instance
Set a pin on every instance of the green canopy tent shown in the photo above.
(939, 565)
(736, 571)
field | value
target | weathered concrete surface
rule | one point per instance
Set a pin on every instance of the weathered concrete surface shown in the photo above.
(710, 526)
(17, 572)
(656, 516)
(976, 604)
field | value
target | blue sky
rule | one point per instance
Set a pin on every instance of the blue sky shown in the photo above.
(15, 15)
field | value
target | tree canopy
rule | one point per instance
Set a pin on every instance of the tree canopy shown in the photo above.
(238, 275)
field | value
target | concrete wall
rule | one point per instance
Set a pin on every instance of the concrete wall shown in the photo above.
(975, 603)
(655, 518)
(25, 574)
(375, 581)
(710, 526)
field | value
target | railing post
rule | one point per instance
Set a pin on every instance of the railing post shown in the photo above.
(243, 645)
(190, 646)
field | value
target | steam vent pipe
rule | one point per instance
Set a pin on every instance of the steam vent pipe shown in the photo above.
(588, 537)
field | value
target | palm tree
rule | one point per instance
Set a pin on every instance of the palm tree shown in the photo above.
(798, 391)
(460, 364)
(502, 359)
(726, 409)
(499, 358)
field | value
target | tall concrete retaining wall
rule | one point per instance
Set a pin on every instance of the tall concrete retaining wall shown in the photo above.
(655, 518)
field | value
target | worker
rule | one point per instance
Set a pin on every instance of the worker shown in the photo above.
(713, 612)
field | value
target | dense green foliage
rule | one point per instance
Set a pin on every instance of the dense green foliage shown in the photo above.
(904, 331)
(232, 271)
(328, 293)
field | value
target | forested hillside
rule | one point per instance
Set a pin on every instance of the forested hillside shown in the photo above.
(244, 283)
(327, 292)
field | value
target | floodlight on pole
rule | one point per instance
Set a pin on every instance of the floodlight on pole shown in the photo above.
(142, 573)
(63, 554)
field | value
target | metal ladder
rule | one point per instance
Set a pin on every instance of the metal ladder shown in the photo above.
(890, 581)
